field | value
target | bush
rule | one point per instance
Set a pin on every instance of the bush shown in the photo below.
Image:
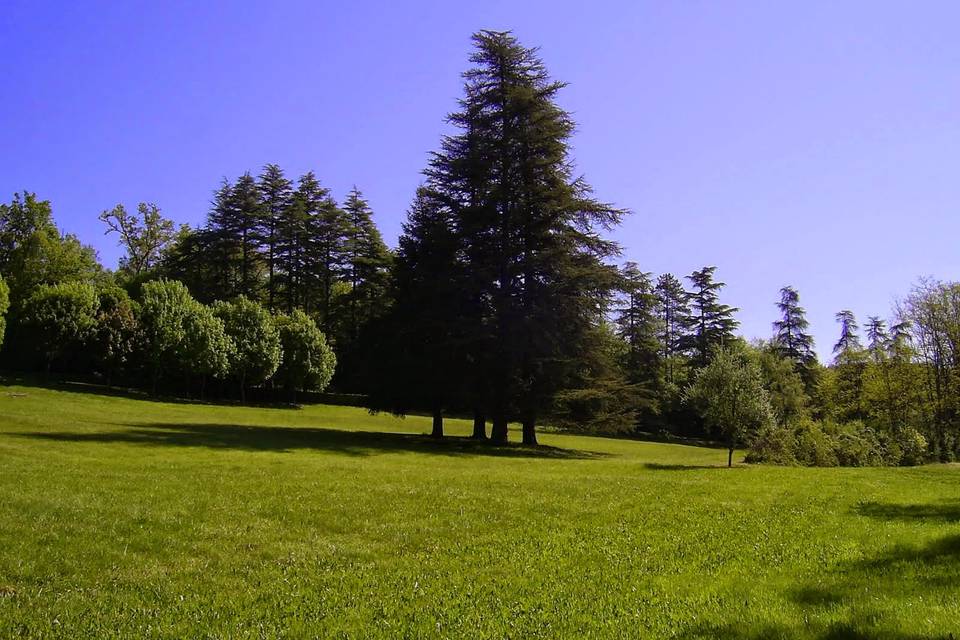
(814, 446)
(256, 341)
(115, 335)
(774, 445)
(827, 444)
(308, 362)
(164, 306)
(912, 445)
(59, 317)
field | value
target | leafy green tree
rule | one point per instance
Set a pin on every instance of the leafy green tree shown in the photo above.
(114, 338)
(59, 317)
(308, 363)
(792, 338)
(257, 352)
(34, 252)
(728, 393)
(145, 236)
(712, 322)
(205, 350)
(164, 307)
(784, 386)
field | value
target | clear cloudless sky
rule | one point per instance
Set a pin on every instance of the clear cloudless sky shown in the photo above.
(813, 143)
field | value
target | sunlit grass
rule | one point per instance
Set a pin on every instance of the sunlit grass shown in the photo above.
(131, 518)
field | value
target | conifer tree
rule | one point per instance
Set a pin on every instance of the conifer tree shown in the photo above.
(638, 325)
(423, 366)
(276, 193)
(367, 264)
(850, 362)
(675, 322)
(792, 338)
(712, 322)
(529, 227)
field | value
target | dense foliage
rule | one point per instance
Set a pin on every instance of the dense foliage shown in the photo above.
(502, 301)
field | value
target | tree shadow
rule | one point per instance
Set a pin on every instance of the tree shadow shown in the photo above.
(656, 466)
(287, 439)
(941, 512)
(256, 399)
(864, 593)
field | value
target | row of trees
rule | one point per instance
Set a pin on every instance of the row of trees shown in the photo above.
(168, 336)
(285, 245)
(502, 302)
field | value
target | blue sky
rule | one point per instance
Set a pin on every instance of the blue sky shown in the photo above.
(814, 144)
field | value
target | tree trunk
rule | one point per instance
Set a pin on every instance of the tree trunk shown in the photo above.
(530, 431)
(479, 426)
(437, 431)
(730, 457)
(498, 434)
(243, 389)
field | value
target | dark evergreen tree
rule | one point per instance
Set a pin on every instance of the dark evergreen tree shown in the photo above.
(675, 322)
(367, 265)
(528, 226)
(792, 339)
(421, 364)
(638, 325)
(850, 363)
(712, 322)
(325, 252)
(276, 193)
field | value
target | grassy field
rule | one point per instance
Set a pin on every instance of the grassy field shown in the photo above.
(137, 519)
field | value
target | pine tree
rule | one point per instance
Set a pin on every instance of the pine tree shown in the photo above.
(712, 323)
(423, 366)
(850, 361)
(276, 198)
(792, 339)
(638, 325)
(325, 252)
(233, 238)
(675, 322)
(528, 226)
(367, 264)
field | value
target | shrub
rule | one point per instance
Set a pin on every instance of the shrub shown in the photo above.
(814, 446)
(164, 305)
(114, 337)
(58, 317)
(308, 363)
(913, 446)
(774, 445)
(257, 351)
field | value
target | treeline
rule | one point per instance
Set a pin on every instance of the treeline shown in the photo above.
(502, 302)
(68, 313)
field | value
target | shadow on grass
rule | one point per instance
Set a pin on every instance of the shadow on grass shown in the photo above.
(941, 512)
(98, 389)
(656, 466)
(286, 439)
(857, 598)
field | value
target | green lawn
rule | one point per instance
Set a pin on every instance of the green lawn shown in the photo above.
(137, 519)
